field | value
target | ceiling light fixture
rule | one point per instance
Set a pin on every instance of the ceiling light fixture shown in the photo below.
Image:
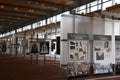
(36, 2)
(2, 6)
(16, 8)
(18, 18)
(9, 16)
(31, 10)
(29, 1)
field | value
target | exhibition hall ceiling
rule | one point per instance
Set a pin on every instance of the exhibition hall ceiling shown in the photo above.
(16, 14)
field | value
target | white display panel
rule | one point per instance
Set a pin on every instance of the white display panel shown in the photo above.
(102, 49)
(117, 49)
(78, 50)
(102, 54)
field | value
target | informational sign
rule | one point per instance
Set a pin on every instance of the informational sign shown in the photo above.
(102, 57)
(44, 47)
(78, 47)
(117, 49)
(117, 54)
(78, 55)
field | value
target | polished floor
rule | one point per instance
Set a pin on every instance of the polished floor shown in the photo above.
(19, 68)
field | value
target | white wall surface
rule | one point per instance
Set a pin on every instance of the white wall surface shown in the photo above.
(86, 25)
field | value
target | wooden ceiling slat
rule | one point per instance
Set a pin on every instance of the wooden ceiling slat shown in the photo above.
(4, 20)
(8, 18)
(25, 5)
(115, 7)
(20, 16)
(56, 2)
(20, 11)
(92, 13)
(13, 18)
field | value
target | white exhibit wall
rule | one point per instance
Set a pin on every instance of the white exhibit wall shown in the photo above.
(117, 27)
(98, 26)
(66, 27)
(74, 24)
(86, 25)
(108, 27)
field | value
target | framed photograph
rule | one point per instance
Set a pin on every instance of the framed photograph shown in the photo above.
(44, 47)
(34, 47)
(99, 55)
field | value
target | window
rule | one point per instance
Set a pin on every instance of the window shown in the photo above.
(107, 4)
(26, 27)
(94, 8)
(19, 30)
(116, 1)
(93, 3)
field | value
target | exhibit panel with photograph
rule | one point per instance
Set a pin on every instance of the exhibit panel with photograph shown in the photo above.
(78, 69)
(34, 46)
(44, 47)
(117, 54)
(102, 54)
(102, 48)
(78, 47)
(117, 49)
(78, 65)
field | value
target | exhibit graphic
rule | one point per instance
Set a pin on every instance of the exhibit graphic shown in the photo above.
(100, 68)
(78, 46)
(78, 69)
(34, 47)
(117, 49)
(77, 50)
(44, 47)
(102, 48)
(102, 57)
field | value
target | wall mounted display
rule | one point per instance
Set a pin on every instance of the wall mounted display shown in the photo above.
(117, 54)
(44, 47)
(117, 49)
(78, 47)
(102, 48)
(102, 57)
(4, 47)
(76, 69)
(34, 47)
